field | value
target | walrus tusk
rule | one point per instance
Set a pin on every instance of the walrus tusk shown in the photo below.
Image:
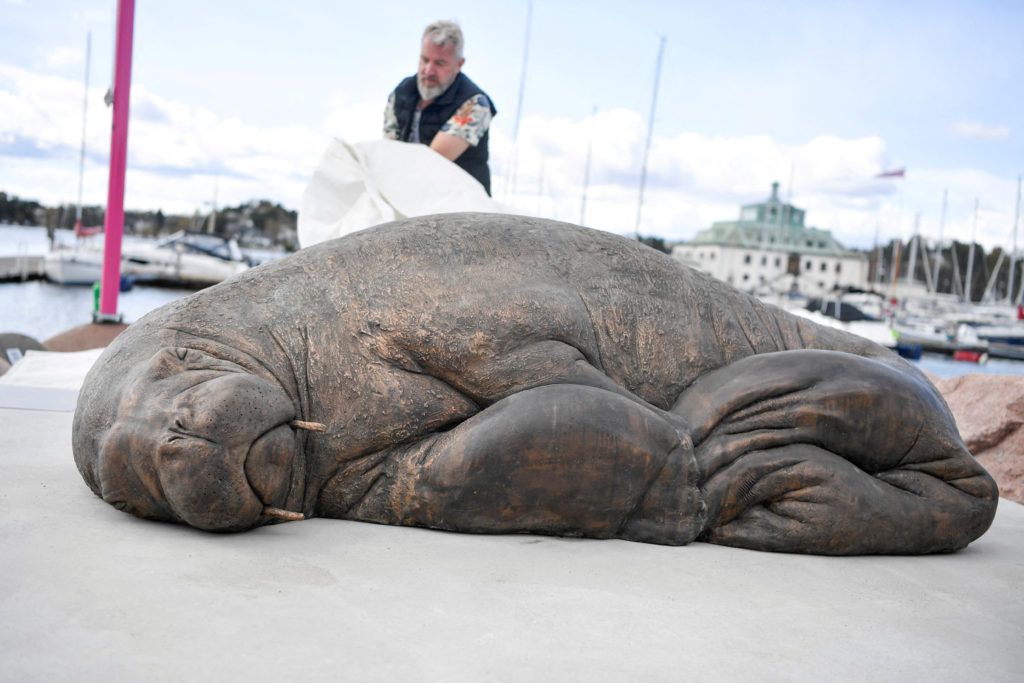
(286, 515)
(311, 426)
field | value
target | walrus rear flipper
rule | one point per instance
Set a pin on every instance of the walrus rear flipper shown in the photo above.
(826, 452)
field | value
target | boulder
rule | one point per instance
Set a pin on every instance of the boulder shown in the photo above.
(989, 411)
(14, 345)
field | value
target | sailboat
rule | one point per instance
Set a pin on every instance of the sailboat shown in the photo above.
(182, 259)
(77, 265)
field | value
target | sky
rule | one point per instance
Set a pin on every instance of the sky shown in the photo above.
(239, 99)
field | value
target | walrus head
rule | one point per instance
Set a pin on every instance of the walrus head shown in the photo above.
(195, 439)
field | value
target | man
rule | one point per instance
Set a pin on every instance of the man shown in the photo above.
(441, 107)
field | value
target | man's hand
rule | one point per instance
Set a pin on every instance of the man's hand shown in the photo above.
(449, 146)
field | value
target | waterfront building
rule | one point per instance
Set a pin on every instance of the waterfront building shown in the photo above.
(770, 249)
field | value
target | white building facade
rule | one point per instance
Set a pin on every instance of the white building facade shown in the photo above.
(769, 249)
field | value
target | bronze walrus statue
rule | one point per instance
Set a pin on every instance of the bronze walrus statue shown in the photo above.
(487, 373)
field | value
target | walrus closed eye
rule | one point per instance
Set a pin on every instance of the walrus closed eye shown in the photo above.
(497, 374)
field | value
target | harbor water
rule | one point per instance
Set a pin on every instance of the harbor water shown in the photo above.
(41, 309)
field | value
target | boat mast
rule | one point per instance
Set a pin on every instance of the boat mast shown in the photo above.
(114, 224)
(540, 186)
(586, 168)
(993, 277)
(933, 285)
(912, 248)
(896, 258)
(958, 286)
(650, 131)
(211, 224)
(938, 248)
(510, 183)
(81, 154)
(968, 281)
(878, 259)
(1013, 251)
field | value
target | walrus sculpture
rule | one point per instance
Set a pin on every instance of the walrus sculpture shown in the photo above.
(494, 374)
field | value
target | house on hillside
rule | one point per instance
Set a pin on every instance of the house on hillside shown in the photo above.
(770, 249)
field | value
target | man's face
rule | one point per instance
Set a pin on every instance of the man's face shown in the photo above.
(438, 68)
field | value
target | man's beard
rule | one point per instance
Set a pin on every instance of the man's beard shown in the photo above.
(430, 92)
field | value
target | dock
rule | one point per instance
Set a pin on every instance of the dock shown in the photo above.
(91, 593)
(22, 267)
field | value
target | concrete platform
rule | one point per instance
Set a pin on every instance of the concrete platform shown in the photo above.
(89, 593)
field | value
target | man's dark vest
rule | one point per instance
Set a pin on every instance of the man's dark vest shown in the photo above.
(407, 96)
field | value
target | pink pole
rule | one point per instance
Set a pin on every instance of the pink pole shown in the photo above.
(114, 223)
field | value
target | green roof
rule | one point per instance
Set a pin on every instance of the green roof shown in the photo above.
(773, 225)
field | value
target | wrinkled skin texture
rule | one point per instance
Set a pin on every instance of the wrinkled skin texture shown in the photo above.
(495, 374)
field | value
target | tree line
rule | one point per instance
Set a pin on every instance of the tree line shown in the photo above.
(269, 221)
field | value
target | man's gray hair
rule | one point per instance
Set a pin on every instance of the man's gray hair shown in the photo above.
(445, 33)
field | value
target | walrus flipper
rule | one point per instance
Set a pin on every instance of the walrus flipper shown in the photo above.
(827, 452)
(562, 459)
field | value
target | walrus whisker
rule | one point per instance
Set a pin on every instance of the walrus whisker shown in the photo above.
(286, 515)
(311, 426)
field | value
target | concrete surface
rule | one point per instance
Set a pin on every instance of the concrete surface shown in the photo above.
(89, 593)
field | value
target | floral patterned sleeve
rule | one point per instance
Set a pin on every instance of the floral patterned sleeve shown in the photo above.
(390, 120)
(471, 120)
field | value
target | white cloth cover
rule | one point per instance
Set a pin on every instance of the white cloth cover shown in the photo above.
(359, 185)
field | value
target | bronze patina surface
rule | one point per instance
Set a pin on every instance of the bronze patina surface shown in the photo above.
(492, 374)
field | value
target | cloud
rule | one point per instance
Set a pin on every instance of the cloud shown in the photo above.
(176, 151)
(353, 120)
(179, 154)
(13, 145)
(62, 57)
(981, 131)
(692, 179)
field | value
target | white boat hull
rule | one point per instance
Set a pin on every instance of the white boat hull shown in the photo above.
(73, 267)
(143, 262)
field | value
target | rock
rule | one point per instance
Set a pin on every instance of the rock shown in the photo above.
(989, 410)
(14, 345)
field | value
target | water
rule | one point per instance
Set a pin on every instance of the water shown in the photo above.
(945, 367)
(41, 310)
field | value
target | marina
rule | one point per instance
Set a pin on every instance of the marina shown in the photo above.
(472, 437)
(42, 309)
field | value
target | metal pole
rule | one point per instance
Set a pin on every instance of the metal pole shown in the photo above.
(650, 131)
(114, 225)
(912, 248)
(933, 287)
(211, 225)
(958, 287)
(878, 261)
(968, 279)
(1013, 252)
(85, 111)
(586, 168)
(540, 187)
(993, 277)
(510, 184)
(938, 249)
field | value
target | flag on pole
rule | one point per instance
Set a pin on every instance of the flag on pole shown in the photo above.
(894, 173)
